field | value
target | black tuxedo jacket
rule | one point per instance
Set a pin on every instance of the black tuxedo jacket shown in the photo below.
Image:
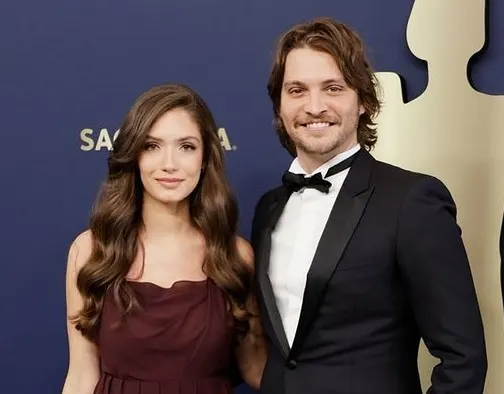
(389, 269)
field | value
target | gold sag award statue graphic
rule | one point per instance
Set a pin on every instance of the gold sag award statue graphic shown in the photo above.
(91, 141)
(456, 134)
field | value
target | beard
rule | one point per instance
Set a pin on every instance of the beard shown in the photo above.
(332, 140)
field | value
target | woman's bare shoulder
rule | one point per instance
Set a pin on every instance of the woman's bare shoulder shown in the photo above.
(80, 249)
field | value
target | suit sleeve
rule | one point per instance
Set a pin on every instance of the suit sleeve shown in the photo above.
(434, 263)
(234, 373)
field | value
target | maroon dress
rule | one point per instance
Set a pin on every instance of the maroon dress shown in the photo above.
(178, 343)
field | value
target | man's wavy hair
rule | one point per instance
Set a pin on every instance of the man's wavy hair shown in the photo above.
(116, 216)
(347, 50)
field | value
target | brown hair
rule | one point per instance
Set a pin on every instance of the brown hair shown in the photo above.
(116, 217)
(347, 50)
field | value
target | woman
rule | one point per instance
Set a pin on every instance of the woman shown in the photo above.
(159, 287)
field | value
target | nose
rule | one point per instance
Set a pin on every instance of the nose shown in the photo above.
(169, 160)
(315, 104)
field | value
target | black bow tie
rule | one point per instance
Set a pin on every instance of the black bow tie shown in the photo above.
(296, 182)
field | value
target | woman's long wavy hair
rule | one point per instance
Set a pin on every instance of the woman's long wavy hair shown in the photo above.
(116, 218)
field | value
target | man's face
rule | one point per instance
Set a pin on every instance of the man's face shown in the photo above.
(318, 109)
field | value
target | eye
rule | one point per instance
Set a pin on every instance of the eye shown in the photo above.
(188, 147)
(334, 88)
(295, 91)
(150, 146)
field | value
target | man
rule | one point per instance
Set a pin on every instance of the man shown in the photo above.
(356, 259)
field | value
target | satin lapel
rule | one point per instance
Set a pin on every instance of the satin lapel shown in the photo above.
(343, 219)
(263, 250)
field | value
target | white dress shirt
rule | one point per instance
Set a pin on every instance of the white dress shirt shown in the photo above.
(295, 239)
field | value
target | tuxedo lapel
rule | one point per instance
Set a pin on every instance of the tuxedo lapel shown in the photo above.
(271, 215)
(343, 219)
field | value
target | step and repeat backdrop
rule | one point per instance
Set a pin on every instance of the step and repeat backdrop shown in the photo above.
(69, 71)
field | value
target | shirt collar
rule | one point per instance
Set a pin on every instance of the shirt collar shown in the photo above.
(296, 168)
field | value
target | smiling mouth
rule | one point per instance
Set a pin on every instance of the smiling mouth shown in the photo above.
(317, 125)
(169, 182)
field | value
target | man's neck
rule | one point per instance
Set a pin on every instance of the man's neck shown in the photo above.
(310, 162)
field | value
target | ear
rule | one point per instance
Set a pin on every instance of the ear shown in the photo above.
(361, 109)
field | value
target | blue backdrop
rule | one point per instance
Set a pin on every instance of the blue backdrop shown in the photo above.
(67, 66)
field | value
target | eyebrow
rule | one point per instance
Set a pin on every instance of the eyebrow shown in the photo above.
(183, 139)
(189, 138)
(151, 138)
(324, 82)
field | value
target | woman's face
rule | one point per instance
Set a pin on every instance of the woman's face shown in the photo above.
(171, 162)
